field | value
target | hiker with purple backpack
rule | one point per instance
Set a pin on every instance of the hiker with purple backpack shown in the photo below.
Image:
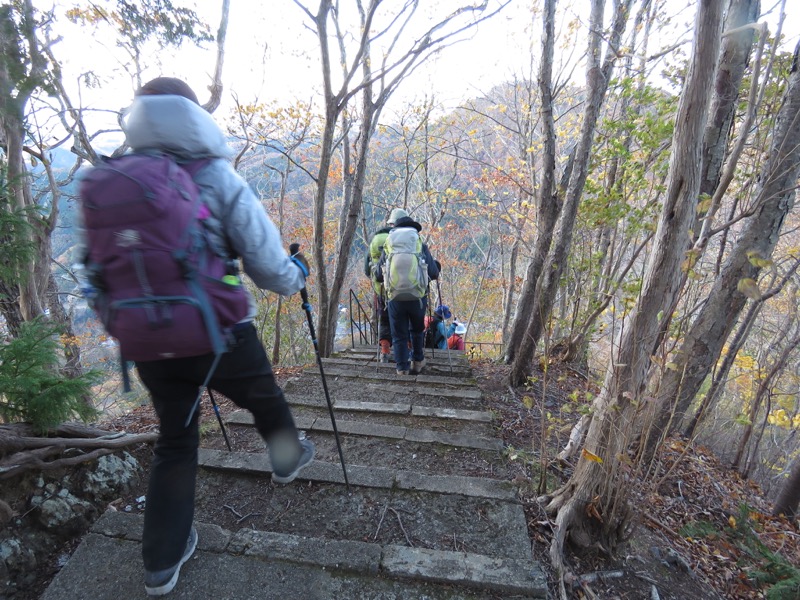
(165, 228)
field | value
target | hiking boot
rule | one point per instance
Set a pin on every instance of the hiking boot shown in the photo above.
(306, 456)
(417, 366)
(158, 583)
(399, 372)
(386, 348)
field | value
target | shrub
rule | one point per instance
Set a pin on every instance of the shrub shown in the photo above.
(31, 387)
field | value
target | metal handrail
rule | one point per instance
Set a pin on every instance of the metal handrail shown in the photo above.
(360, 321)
(479, 349)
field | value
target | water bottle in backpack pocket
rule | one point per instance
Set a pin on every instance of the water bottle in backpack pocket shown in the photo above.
(163, 290)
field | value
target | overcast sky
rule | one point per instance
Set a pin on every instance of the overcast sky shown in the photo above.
(271, 53)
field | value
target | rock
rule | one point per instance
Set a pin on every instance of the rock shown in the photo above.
(111, 475)
(16, 557)
(64, 513)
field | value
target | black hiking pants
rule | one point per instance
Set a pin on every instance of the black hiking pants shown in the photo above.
(384, 329)
(245, 376)
(407, 318)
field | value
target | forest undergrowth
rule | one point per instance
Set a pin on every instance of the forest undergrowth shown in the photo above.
(698, 529)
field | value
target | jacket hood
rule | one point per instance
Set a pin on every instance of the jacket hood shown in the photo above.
(407, 222)
(173, 124)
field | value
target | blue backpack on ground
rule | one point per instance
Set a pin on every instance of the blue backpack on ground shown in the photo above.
(163, 289)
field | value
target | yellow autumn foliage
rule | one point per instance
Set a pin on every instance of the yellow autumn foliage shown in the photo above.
(780, 418)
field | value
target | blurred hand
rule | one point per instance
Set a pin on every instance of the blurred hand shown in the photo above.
(299, 259)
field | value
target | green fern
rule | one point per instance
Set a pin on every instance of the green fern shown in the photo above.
(32, 389)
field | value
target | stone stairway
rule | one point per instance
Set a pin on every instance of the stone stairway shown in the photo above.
(429, 511)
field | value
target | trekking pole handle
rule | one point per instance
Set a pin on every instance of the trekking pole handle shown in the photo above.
(294, 248)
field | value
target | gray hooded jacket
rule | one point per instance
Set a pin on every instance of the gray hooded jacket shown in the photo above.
(180, 127)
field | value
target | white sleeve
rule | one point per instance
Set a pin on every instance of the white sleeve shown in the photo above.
(250, 233)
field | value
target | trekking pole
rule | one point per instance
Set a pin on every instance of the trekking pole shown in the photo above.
(447, 342)
(294, 249)
(219, 418)
(376, 306)
(430, 321)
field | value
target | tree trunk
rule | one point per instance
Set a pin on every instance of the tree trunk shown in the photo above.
(598, 76)
(789, 497)
(323, 320)
(216, 83)
(547, 200)
(20, 75)
(9, 307)
(703, 343)
(721, 373)
(510, 282)
(595, 496)
(733, 61)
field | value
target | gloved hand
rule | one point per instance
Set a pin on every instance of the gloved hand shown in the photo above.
(299, 259)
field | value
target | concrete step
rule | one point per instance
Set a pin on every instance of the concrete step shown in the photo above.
(362, 476)
(369, 347)
(391, 376)
(471, 427)
(384, 390)
(363, 362)
(440, 356)
(391, 408)
(260, 564)
(322, 423)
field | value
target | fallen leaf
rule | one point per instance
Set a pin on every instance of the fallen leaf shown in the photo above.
(589, 456)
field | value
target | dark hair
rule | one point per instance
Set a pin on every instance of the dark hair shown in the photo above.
(171, 86)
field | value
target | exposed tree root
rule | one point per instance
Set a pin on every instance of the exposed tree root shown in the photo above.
(21, 450)
(565, 520)
(574, 518)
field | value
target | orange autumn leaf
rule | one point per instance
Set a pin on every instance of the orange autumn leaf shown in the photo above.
(589, 456)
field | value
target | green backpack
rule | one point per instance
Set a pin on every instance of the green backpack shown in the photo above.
(406, 273)
(375, 249)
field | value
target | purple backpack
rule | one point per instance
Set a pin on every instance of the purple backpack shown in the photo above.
(162, 289)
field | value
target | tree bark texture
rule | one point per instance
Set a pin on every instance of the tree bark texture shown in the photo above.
(596, 492)
(789, 497)
(733, 61)
(20, 75)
